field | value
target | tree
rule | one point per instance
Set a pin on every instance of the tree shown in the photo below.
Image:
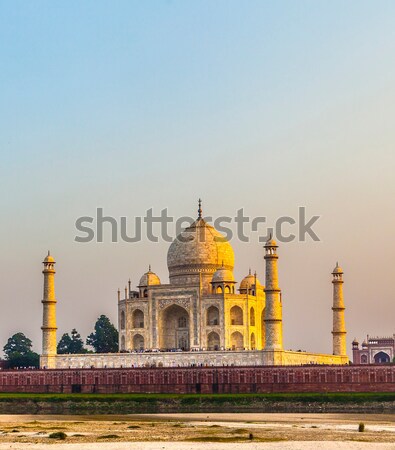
(105, 337)
(71, 344)
(18, 351)
(64, 344)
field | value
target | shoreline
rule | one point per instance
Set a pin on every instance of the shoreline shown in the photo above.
(93, 404)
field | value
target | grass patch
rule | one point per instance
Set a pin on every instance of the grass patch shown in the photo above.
(216, 399)
(58, 435)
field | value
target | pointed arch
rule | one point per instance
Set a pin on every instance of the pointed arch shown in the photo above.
(252, 342)
(252, 316)
(212, 316)
(237, 341)
(236, 315)
(138, 318)
(123, 343)
(174, 328)
(138, 342)
(381, 358)
(213, 341)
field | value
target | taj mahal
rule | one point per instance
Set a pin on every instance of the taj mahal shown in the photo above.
(201, 316)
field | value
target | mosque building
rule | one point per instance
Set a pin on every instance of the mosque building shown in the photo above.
(374, 350)
(200, 317)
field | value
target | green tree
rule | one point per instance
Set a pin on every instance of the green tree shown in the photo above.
(71, 344)
(18, 351)
(105, 337)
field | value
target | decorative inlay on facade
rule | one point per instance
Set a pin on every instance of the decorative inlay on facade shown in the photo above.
(184, 302)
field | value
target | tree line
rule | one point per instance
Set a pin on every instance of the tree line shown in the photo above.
(104, 339)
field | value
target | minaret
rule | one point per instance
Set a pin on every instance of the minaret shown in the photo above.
(49, 328)
(339, 324)
(273, 310)
(355, 352)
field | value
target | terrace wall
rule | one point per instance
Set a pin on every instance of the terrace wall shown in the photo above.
(261, 379)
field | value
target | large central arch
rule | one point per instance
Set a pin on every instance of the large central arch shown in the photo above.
(381, 357)
(174, 328)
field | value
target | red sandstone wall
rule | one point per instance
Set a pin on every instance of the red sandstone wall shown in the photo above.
(366, 378)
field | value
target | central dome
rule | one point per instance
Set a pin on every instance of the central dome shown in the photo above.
(199, 249)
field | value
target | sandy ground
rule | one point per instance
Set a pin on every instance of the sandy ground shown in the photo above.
(308, 445)
(301, 445)
(196, 431)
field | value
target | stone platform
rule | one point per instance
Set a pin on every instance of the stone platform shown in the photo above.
(188, 359)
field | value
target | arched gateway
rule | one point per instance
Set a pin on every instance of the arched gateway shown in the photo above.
(174, 329)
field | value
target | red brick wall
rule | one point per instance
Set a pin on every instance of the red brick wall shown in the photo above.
(366, 378)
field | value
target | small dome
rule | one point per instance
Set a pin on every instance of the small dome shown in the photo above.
(49, 258)
(364, 344)
(337, 269)
(149, 279)
(223, 275)
(355, 342)
(248, 282)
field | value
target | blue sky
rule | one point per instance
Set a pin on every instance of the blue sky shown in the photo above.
(262, 105)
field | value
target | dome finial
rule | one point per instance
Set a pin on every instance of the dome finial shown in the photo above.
(149, 268)
(200, 209)
(249, 271)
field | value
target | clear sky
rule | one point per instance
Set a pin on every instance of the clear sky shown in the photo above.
(265, 106)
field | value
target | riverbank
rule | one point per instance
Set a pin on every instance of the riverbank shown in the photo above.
(172, 403)
(191, 431)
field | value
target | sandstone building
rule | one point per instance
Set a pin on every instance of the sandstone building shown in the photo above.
(374, 350)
